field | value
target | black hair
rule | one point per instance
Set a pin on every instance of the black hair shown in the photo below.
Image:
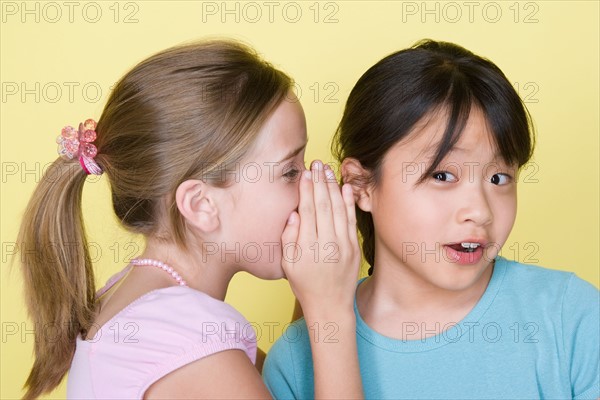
(407, 86)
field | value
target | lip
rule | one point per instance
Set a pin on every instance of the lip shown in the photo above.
(482, 242)
(462, 258)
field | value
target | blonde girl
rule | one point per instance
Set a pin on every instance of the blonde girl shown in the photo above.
(173, 140)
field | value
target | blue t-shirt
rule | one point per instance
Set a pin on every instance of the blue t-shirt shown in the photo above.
(534, 333)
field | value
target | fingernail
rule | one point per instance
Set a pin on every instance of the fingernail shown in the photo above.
(307, 175)
(330, 174)
(317, 166)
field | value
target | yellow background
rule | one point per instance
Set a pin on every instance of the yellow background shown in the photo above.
(549, 49)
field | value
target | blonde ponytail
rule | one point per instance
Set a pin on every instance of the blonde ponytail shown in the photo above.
(58, 274)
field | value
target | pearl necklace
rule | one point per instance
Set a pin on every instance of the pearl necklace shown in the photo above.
(161, 265)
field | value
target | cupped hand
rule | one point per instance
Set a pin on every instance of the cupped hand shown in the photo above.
(321, 256)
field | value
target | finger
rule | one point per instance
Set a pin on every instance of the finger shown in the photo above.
(348, 197)
(289, 238)
(306, 210)
(340, 220)
(324, 218)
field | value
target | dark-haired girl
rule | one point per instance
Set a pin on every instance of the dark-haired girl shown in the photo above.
(432, 140)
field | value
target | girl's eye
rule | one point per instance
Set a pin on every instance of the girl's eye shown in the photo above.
(292, 174)
(444, 176)
(501, 179)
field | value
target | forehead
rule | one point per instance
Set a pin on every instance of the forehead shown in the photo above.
(284, 131)
(423, 142)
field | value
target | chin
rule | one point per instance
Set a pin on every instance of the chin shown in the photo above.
(272, 276)
(460, 283)
(268, 272)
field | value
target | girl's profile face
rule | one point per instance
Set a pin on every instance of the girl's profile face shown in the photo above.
(266, 191)
(445, 231)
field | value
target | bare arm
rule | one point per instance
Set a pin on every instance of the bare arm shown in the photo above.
(225, 375)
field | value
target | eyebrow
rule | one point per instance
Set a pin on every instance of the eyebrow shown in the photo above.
(293, 153)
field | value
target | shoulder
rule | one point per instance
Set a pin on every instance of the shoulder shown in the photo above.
(179, 303)
(542, 281)
(559, 295)
(532, 272)
(565, 306)
(186, 316)
(164, 330)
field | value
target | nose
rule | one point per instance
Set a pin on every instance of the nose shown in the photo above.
(476, 208)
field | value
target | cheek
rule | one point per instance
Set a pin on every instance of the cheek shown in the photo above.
(427, 217)
(398, 212)
(505, 212)
(417, 207)
(290, 198)
(289, 193)
(280, 200)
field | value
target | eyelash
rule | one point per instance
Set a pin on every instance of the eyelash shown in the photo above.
(437, 176)
(291, 174)
(508, 178)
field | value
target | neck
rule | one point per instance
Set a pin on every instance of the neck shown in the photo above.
(201, 272)
(395, 294)
(410, 293)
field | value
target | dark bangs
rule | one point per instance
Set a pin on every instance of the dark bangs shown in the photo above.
(407, 86)
(468, 82)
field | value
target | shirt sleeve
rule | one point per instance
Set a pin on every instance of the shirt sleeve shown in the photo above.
(160, 332)
(581, 337)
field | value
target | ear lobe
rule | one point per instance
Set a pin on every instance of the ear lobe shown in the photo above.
(196, 205)
(354, 174)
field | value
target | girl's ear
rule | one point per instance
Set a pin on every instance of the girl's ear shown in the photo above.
(197, 205)
(354, 174)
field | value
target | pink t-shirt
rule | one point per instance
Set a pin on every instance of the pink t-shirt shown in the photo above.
(157, 333)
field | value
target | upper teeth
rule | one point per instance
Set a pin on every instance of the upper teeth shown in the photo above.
(469, 245)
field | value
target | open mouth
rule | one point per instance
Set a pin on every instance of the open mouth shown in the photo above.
(465, 253)
(465, 247)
